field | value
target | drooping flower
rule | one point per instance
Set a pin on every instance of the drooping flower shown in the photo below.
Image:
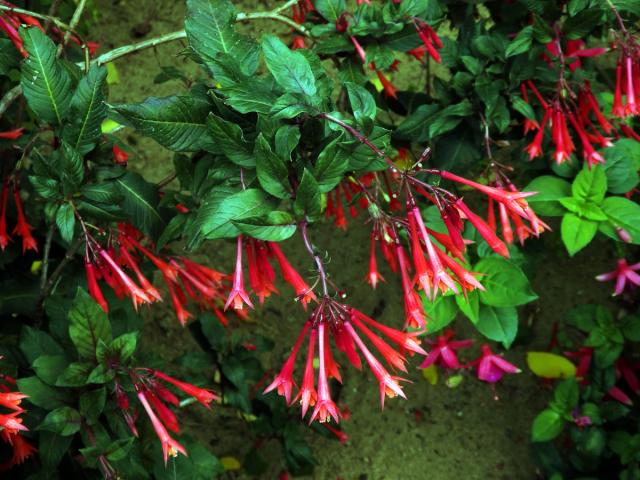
(388, 88)
(94, 288)
(5, 238)
(12, 134)
(443, 351)
(202, 395)
(373, 277)
(120, 157)
(22, 228)
(491, 368)
(304, 293)
(238, 295)
(624, 275)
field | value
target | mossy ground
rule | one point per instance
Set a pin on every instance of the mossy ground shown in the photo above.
(439, 432)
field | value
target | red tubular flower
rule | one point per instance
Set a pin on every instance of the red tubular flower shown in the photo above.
(388, 89)
(170, 447)
(129, 241)
(534, 149)
(631, 108)
(238, 295)
(284, 380)
(325, 408)
(292, 277)
(307, 393)
(13, 35)
(5, 238)
(617, 394)
(618, 108)
(590, 154)
(202, 395)
(414, 312)
(22, 228)
(429, 38)
(151, 291)
(491, 367)
(389, 386)
(341, 220)
(484, 230)
(138, 296)
(359, 50)
(261, 274)
(94, 288)
(22, 450)
(178, 300)
(12, 134)
(507, 231)
(418, 53)
(167, 417)
(405, 340)
(444, 351)
(12, 423)
(373, 277)
(583, 355)
(298, 42)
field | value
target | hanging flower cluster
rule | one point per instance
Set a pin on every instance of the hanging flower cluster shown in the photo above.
(332, 319)
(184, 278)
(22, 228)
(155, 398)
(11, 423)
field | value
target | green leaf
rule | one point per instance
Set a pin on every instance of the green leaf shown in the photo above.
(308, 200)
(75, 375)
(64, 421)
(272, 171)
(291, 105)
(575, 6)
(274, 227)
(449, 118)
(42, 395)
(66, 221)
(329, 168)
(362, 102)
(101, 374)
(119, 449)
(576, 232)
(209, 25)
(125, 346)
(35, 343)
(470, 306)
(521, 43)
(51, 448)
(49, 367)
(506, 285)
(566, 396)
(621, 167)
(88, 110)
(177, 122)
(252, 95)
(290, 69)
(287, 139)
(498, 324)
(582, 23)
(524, 109)
(584, 209)
(550, 191)
(622, 213)
(140, 203)
(46, 83)
(590, 184)
(330, 9)
(472, 63)
(229, 139)
(88, 324)
(441, 311)
(547, 426)
(218, 211)
(92, 404)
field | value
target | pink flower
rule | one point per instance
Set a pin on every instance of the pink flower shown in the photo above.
(170, 447)
(284, 381)
(373, 277)
(622, 274)
(325, 407)
(238, 296)
(444, 351)
(304, 293)
(491, 367)
(202, 395)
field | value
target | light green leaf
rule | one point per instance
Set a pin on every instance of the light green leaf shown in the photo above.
(590, 184)
(577, 232)
(622, 213)
(498, 324)
(550, 191)
(547, 426)
(506, 285)
(66, 221)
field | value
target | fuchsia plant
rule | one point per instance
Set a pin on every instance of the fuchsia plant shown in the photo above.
(271, 137)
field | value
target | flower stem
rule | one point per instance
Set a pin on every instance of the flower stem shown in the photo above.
(312, 251)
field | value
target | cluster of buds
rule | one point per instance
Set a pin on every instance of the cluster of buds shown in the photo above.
(11, 423)
(155, 398)
(22, 228)
(262, 275)
(331, 319)
(559, 114)
(206, 287)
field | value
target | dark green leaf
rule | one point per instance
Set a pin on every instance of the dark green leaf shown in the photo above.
(49, 367)
(330, 168)
(272, 171)
(140, 203)
(88, 324)
(46, 84)
(92, 404)
(308, 200)
(521, 43)
(75, 375)
(177, 122)
(290, 69)
(35, 343)
(64, 421)
(66, 221)
(229, 139)
(274, 227)
(42, 395)
(88, 110)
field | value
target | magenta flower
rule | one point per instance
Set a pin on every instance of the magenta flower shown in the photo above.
(492, 367)
(622, 274)
(444, 351)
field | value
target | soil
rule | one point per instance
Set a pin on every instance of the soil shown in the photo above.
(439, 432)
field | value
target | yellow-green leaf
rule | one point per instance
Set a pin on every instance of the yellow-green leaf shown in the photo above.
(550, 365)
